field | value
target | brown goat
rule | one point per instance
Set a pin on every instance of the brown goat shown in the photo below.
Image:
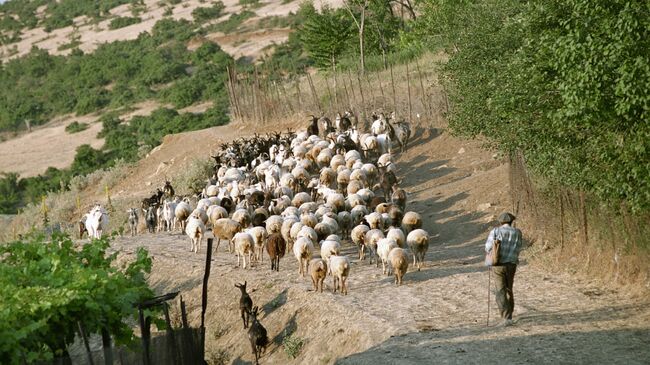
(276, 247)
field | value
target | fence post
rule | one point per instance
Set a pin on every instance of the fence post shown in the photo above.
(363, 99)
(183, 314)
(314, 94)
(329, 92)
(84, 336)
(381, 89)
(170, 335)
(204, 295)
(424, 99)
(107, 346)
(408, 89)
(392, 81)
(561, 222)
(144, 330)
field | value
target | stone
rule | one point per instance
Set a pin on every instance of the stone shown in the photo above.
(484, 207)
(461, 151)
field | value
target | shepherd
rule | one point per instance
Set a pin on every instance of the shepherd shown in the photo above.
(502, 255)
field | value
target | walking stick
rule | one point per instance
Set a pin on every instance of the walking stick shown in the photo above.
(488, 296)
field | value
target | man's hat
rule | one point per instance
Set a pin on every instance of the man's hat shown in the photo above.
(506, 218)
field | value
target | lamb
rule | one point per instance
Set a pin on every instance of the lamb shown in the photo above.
(302, 250)
(182, 212)
(418, 242)
(259, 235)
(201, 214)
(400, 263)
(276, 246)
(245, 304)
(195, 229)
(285, 231)
(345, 223)
(318, 271)
(375, 220)
(226, 229)
(339, 267)
(257, 336)
(244, 245)
(133, 221)
(411, 221)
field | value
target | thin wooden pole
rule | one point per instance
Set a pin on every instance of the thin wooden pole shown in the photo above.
(84, 336)
(329, 92)
(363, 100)
(183, 313)
(381, 89)
(107, 346)
(314, 94)
(408, 88)
(424, 99)
(392, 81)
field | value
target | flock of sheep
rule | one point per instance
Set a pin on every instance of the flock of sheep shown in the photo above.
(306, 193)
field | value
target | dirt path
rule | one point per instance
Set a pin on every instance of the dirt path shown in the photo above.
(438, 315)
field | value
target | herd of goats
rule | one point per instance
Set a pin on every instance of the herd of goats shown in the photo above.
(295, 192)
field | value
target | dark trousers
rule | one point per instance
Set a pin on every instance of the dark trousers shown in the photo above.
(504, 278)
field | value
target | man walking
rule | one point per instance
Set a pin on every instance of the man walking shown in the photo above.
(506, 265)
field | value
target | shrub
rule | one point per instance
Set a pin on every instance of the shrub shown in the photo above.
(193, 179)
(76, 127)
(292, 345)
(121, 22)
(65, 285)
(201, 14)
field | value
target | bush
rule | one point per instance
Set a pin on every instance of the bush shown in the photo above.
(193, 179)
(65, 285)
(292, 345)
(201, 15)
(76, 127)
(232, 23)
(121, 22)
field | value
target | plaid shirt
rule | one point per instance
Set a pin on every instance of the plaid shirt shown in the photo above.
(510, 243)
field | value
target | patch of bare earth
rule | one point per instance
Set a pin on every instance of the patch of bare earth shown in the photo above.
(437, 316)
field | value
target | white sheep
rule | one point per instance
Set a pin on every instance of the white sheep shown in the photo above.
(418, 242)
(398, 235)
(244, 245)
(399, 262)
(274, 224)
(182, 212)
(302, 250)
(358, 235)
(329, 248)
(259, 235)
(411, 221)
(225, 228)
(384, 246)
(339, 267)
(195, 229)
(372, 238)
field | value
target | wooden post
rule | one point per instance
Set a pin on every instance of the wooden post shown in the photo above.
(363, 100)
(371, 103)
(298, 94)
(561, 222)
(381, 89)
(144, 332)
(423, 98)
(170, 335)
(583, 211)
(329, 92)
(314, 94)
(408, 88)
(84, 337)
(347, 96)
(392, 81)
(354, 95)
(107, 346)
(204, 295)
(183, 313)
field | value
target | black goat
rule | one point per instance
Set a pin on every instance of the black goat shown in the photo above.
(257, 336)
(245, 304)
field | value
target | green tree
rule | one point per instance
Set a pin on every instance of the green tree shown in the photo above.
(324, 35)
(10, 190)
